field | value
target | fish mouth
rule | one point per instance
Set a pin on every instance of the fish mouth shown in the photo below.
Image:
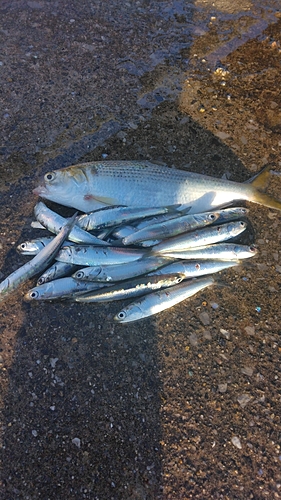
(40, 191)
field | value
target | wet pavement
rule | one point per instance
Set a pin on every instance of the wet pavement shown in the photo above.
(185, 404)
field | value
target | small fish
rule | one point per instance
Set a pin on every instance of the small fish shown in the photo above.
(205, 236)
(57, 270)
(119, 272)
(33, 247)
(53, 222)
(62, 288)
(156, 302)
(221, 251)
(38, 263)
(231, 213)
(117, 215)
(89, 186)
(89, 255)
(172, 227)
(194, 268)
(129, 289)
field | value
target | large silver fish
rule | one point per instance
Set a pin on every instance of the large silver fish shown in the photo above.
(89, 186)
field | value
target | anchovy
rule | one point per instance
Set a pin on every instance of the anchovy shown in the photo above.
(205, 236)
(57, 270)
(62, 288)
(194, 268)
(114, 216)
(231, 213)
(89, 255)
(119, 272)
(221, 251)
(53, 222)
(33, 247)
(129, 289)
(156, 302)
(89, 186)
(38, 263)
(172, 227)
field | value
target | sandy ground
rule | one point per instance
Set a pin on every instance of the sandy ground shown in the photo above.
(186, 404)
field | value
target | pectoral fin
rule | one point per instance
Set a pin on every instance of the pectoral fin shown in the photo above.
(101, 199)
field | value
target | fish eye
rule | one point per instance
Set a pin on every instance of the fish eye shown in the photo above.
(33, 295)
(23, 246)
(41, 281)
(121, 315)
(212, 216)
(252, 248)
(79, 275)
(49, 177)
(242, 224)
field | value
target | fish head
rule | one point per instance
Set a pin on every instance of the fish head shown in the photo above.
(130, 313)
(62, 186)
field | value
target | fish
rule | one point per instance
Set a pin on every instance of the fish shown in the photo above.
(119, 272)
(100, 219)
(36, 265)
(89, 255)
(221, 251)
(156, 302)
(89, 186)
(128, 289)
(33, 247)
(53, 222)
(194, 268)
(171, 227)
(57, 270)
(205, 236)
(62, 288)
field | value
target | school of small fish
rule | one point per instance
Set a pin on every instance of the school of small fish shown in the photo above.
(147, 232)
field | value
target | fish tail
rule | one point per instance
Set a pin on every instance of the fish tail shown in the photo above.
(259, 183)
(260, 180)
(266, 200)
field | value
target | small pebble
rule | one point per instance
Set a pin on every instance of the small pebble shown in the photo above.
(214, 305)
(77, 442)
(204, 318)
(236, 442)
(244, 399)
(34, 433)
(225, 333)
(207, 335)
(193, 339)
(222, 388)
(247, 370)
(250, 330)
(53, 362)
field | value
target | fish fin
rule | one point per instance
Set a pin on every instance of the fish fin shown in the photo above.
(266, 200)
(101, 199)
(260, 180)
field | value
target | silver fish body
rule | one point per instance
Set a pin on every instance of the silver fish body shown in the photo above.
(117, 215)
(221, 251)
(194, 268)
(38, 263)
(89, 186)
(119, 272)
(62, 288)
(156, 302)
(129, 289)
(201, 237)
(172, 227)
(53, 222)
(89, 255)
